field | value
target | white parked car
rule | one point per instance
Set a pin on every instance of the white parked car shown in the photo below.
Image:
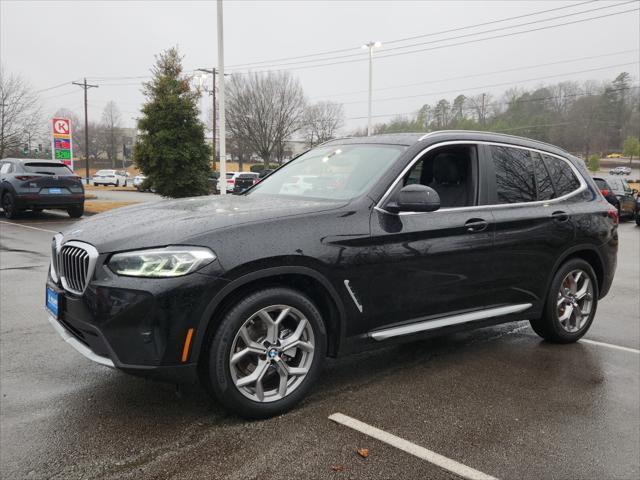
(231, 181)
(111, 177)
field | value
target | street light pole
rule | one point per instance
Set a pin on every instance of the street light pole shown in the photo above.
(371, 45)
(223, 151)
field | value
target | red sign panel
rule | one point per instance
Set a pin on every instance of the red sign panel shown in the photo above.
(61, 126)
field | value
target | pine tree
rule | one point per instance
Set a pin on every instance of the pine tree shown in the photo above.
(170, 148)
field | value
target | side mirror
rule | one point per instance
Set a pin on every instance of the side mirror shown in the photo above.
(416, 198)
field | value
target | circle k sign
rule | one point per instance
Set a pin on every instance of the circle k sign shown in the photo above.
(61, 126)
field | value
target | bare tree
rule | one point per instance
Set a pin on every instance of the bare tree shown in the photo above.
(111, 132)
(264, 110)
(322, 121)
(20, 114)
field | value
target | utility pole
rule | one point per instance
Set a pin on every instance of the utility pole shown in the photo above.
(86, 87)
(371, 45)
(223, 148)
(483, 114)
(212, 72)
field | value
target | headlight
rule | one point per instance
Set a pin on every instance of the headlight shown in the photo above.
(173, 261)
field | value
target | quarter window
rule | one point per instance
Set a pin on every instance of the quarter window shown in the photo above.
(5, 168)
(563, 177)
(515, 181)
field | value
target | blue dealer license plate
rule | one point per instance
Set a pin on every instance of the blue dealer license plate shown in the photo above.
(52, 302)
(55, 191)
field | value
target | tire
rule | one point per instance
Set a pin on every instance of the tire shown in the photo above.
(219, 374)
(76, 212)
(117, 184)
(638, 219)
(550, 326)
(9, 205)
(125, 183)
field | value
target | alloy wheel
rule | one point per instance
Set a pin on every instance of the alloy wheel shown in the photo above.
(575, 300)
(272, 353)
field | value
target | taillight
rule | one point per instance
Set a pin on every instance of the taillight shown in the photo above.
(27, 177)
(231, 181)
(605, 192)
(613, 214)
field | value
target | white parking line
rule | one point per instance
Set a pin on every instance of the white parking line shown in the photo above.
(610, 345)
(27, 226)
(411, 448)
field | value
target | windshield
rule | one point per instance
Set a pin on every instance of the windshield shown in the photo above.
(336, 172)
(106, 172)
(47, 168)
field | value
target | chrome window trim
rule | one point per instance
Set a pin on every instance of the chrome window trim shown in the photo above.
(583, 183)
(93, 258)
(426, 325)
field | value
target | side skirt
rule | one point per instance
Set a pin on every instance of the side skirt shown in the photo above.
(427, 325)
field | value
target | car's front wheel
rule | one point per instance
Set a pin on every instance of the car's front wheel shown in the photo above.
(571, 303)
(266, 353)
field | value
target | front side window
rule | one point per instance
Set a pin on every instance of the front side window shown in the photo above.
(515, 180)
(562, 175)
(449, 171)
(336, 172)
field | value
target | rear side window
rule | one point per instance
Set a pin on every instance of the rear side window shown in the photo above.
(562, 175)
(543, 179)
(602, 184)
(515, 181)
(47, 168)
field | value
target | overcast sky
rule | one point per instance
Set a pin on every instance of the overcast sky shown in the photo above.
(50, 43)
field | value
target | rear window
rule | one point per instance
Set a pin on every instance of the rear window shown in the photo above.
(515, 181)
(105, 172)
(47, 168)
(563, 177)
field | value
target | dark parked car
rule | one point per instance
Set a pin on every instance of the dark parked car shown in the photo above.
(619, 194)
(388, 238)
(244, 181)
(36, 184)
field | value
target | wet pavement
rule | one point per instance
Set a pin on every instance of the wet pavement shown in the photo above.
(498, 400)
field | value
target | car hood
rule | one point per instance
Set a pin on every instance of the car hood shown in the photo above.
(169, 222)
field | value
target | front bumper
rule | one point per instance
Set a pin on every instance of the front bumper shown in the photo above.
(137, 325)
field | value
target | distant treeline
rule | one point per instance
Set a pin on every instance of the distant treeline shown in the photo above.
(586, 118)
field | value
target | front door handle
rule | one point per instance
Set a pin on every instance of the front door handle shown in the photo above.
(474, 225)
(560, 216)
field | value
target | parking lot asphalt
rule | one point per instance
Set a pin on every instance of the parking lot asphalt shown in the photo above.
(498, 400)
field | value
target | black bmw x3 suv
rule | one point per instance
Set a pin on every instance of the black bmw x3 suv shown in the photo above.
(357, 243)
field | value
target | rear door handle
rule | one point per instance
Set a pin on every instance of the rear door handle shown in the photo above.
(560, 216)
(474, 225)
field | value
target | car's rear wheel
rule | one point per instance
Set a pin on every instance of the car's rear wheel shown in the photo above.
(76, 211)
(266, 353)
(571, 303)
(9, 205)
(117, 183)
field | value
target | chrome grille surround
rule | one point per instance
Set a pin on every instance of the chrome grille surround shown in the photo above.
(76, 262)
(56, 244)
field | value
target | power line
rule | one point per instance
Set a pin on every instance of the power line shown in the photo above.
(403, 47)
(467, 42)
(329, 52)
(515, 69)
(54, 86)
(502, 84)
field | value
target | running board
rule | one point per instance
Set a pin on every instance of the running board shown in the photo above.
(427, 325)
